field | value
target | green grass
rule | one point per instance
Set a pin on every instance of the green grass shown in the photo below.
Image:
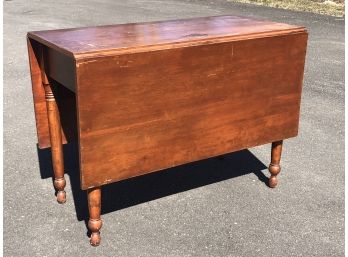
(328, 7)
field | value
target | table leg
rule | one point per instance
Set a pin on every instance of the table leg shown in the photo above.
(94, 207)
(56, 143)
(274, 167)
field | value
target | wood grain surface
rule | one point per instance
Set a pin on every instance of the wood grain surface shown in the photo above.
(112, 39)
(40, 109)
(144, 112)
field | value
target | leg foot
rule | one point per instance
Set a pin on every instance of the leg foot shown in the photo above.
(274, 170)
(59, 184)
(94, 226)
(95, 239)
(274, 167)
(61, 197)
(94, 223)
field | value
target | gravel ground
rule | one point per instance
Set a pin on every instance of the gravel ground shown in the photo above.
(327, 7)
(216, 207)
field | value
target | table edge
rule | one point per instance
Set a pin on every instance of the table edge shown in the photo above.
(165, 45)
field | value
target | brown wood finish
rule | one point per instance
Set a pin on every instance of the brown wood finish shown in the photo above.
(56, 144)
(94, 207)
(205, 101)
(35, 53)
(38, 94)
(154, 95)
(274, 166)
(115, 39)
(55, 132)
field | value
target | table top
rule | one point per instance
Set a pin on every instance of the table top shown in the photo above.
(111, 39)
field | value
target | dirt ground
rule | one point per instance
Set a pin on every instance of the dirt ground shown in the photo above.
(327, 7)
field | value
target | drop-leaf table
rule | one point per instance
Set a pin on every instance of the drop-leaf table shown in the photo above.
(144, 97)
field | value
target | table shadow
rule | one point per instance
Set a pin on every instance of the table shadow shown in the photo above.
(155, 185)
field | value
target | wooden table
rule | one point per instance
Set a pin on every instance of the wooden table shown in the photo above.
(144, 97)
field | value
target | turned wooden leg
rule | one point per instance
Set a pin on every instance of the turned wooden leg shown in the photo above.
(56, 143)
(94, 207)
(274, 167)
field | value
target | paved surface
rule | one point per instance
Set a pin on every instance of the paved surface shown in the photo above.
(218, 207)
